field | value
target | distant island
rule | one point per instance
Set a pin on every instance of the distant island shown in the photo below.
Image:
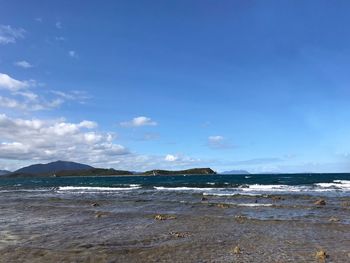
(64, 168)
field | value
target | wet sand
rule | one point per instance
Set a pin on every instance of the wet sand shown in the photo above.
(44, 228)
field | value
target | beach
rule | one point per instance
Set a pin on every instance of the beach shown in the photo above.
(138, 223)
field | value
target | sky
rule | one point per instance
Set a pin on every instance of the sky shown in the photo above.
(261, 86)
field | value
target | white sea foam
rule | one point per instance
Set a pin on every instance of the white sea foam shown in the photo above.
(255, 205)
(227, 193)
(162, 188)
(271, 188)
(340, 185)
(96, 189)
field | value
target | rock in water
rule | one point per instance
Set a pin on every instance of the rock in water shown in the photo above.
(320, 202)
(223, 205)
(95, 204)
(334, 219)
(164, 217)
(321, 254)
(236, 250)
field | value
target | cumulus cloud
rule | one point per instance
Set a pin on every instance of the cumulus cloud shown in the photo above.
(9, 34)
(11, 84)
(218, 142)
(139, 122)
(25, 141)
(35, 139)
(171, 158)
(23, 64)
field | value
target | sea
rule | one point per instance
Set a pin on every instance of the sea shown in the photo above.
(208, 185)
(271, 217)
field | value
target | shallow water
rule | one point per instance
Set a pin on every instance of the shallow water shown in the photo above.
(53, 220)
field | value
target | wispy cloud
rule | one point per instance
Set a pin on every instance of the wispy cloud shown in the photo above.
(139, 122)
(60, 38)
(73, 54)
(73, 95)
(9, 34)
(21, 95)
(58, 25)
(38, 19)
(218, 142)
(23, 64)
(9, 83)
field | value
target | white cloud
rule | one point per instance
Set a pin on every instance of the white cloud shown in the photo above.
(35, 139)
(27, 141)
(218, 142)
(73, 54)
(171, 158)
(76, 95)
(23, 64)
(6, 82)
(9, 34)
(21, 97)
(138, 122)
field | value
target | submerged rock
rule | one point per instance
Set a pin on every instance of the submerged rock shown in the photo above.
(241, 218)
(277, 198)
(321, 254)
(345, 204)
(98, 215)
(320, 202)
(180, 234)
(164, 217)
(223, 205)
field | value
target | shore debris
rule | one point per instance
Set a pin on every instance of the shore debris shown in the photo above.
(164, 217)
(320, 202)
(223, 205)
(95, 204)
(321, 254)
(179, 234)
(237, 250)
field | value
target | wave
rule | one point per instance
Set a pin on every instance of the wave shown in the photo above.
(162, 188)
(96, 188)
(254, 205)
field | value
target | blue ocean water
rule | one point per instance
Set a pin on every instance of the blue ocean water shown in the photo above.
(327, 184)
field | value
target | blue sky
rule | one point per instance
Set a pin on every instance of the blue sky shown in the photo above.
(255, 85)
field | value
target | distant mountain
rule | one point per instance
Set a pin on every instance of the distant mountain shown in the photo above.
(93, 172)
(53, 167)
(195, 171)
(236, 172)
(4, 172)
